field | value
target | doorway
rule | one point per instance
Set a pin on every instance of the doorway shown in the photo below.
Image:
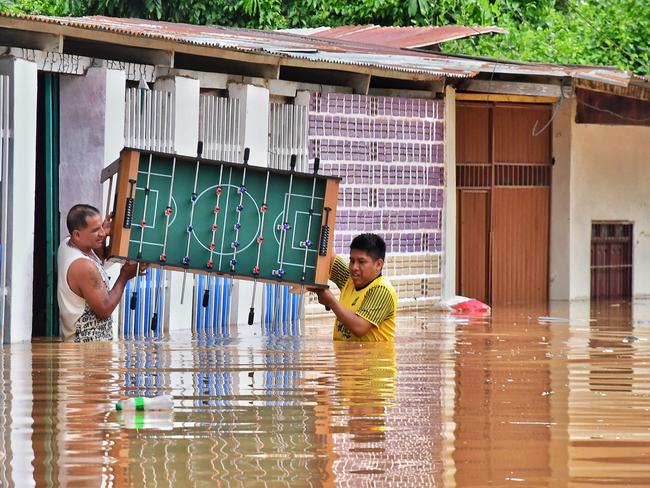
(611, 260)
(46, 222)
(503, 176)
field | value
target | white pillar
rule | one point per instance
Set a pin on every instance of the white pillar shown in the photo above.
(186, 135)
(254, 133)
(561, 232)
(186, 111)
(21, 189)
(254, 130)
(449, 198)
(114, 115)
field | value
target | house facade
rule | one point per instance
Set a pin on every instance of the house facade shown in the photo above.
(504, 181)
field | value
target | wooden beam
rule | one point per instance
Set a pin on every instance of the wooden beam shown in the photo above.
(31, 40)
(638, 92)
(608, 109)
(404, 92)
(490, 97)
(512, 88)
(353, 68)
(118, 52)
(110, 170)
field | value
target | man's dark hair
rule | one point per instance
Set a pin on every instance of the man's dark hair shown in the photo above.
(77, 216)
(372, 244)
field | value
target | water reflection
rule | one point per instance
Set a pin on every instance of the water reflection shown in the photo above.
(457, 401)
(611, 346)
(354, 408)
(502, 399)
(608, 428)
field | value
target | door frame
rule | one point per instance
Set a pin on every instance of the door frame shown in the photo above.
(489, 182)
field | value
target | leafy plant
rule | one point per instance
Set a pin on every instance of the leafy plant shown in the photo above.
(601, 32)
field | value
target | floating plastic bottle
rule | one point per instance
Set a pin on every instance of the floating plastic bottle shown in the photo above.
(149, 420)
(161, 402)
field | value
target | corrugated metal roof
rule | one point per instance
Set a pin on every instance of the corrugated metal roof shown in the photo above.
(403, 37)
(258, 41)
(311, 49)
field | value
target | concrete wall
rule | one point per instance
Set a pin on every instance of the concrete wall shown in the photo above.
(610, 180)
(601, 172)
(92, 134)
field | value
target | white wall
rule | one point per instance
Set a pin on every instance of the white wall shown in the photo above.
(610, 180)
(92, 135)
(22, 182)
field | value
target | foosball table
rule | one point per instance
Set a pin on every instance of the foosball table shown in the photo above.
(232, 219)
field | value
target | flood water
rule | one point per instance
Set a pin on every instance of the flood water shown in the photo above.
(509, 400)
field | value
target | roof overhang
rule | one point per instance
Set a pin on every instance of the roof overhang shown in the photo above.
(279, 55)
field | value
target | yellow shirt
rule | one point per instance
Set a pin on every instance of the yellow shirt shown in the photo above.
(375, 302)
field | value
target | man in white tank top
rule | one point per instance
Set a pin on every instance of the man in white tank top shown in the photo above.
(85, 300)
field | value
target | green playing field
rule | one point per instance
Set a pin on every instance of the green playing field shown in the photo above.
(218, 220)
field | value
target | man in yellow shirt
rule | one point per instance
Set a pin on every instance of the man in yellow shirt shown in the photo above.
(366, 308)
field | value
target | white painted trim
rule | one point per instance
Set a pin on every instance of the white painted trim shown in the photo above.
(449, 197)
(22, 191)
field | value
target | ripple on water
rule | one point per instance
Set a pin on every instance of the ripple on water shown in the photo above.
(544, 396)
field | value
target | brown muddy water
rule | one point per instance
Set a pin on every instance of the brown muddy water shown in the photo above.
(510, 400)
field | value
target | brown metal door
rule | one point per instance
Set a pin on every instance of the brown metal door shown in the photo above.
(504, 184)
(473, 180)
(520, 245)
(473, 229)
(520, 204)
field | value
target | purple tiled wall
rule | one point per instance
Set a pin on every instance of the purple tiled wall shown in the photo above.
(390, 153)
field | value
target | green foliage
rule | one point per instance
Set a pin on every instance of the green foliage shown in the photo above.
(597, 32)
(601, 32)
(32, 7)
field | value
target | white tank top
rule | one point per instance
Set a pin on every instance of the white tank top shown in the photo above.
(71, 305)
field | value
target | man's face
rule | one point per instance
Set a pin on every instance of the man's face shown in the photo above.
(363, 268)
(92, 235)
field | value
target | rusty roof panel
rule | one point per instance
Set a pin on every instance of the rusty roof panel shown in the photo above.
(321, 50)
(403, 37)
